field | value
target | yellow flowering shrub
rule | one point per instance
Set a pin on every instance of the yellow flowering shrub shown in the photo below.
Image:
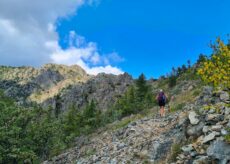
(216, 70)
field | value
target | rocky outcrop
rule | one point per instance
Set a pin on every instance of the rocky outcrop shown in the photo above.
(36, 83)
(207, 139)
(63, 85)
(104, 89)
(219, 150)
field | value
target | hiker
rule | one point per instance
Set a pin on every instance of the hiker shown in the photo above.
(161, 98)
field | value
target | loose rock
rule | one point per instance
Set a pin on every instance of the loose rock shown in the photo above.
(193, 118)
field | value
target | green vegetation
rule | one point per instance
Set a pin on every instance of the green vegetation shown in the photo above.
(136, 99)
(35, 134)
(27, 133)
(227, 137)
(176, 150)
(125, 121)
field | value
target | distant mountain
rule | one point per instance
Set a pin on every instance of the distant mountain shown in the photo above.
(66, 85)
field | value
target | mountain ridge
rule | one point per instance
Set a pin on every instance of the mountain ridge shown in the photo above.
(43, 85)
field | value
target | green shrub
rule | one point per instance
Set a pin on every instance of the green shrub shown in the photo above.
(227, 137)
(175, 151)
(177, 107)
(172, 81)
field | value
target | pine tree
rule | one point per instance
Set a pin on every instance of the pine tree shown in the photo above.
(142, 88)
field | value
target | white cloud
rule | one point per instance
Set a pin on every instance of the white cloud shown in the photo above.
(28, 36)
(84, 54)
(107, 69)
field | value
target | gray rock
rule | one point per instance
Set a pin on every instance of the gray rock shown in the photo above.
(227, 111)
(206, 129)
(190, 87)
(195, 130)
(120, 146)
(214, 117)
(158, 150)
(224, 96)
(228, 125)
(193, 153)
(210, 137)
(187, 148)
(193, 118)
(201, 160)
(211, 111)
(219, 150)
(216, 128)
(223, 132)
(207, 90)
(104, 89)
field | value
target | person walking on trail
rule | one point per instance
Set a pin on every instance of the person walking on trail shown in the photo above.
(161, 98)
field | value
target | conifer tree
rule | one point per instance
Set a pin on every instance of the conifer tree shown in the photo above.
(142, 87)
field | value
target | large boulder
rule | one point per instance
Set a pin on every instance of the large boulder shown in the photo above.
(219, 150)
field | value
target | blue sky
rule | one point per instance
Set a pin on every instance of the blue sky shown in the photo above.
(151, 35)
(111, 36)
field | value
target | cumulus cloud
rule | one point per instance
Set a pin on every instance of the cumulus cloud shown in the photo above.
(28, 36)
(84, 54)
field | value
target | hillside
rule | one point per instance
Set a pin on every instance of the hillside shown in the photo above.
(195, 134)
(59, 114)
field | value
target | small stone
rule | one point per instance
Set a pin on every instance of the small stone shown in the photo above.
(187, 148)
(223, 132)
(199, 140)
(216, 127)
(228, 125)
(202, 151)
(210, 137)
(214, 117)
(220, 138)
(211, 111)
(190, 88)
(193, 118)
(206, 129)
(120, 146)
(201, 159)
(181, 156)
(144, 154)
(224, 96)
(193, 154)
(227, 111)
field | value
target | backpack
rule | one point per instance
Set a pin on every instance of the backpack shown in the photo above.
(161, 97)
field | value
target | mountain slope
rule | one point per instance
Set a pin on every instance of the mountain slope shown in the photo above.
(66, 85)
(191, 135)
(145, 140)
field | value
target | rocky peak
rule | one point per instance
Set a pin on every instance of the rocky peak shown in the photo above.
(104, 89)
(71, 83)
(73, 71)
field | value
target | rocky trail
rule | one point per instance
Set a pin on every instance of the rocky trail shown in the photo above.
(198, 132)
(144, 140)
